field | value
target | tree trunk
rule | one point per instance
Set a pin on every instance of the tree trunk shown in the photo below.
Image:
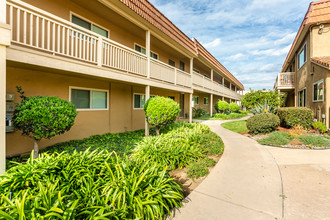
(157, 131)
(36, 149)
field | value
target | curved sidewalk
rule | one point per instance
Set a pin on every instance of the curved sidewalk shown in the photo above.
(245, 184)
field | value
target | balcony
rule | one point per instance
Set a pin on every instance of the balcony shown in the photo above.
(285, 81)
(41, 31)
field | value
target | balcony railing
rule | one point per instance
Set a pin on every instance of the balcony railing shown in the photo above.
(43, 31)
(285, 80)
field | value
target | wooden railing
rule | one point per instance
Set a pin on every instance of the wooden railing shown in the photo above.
(43, 31)
(285, 80)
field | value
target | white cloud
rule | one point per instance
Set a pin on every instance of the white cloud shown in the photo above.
(286, 39)
(236, 57)
(216, 42)
(268, 67)
(272, 52)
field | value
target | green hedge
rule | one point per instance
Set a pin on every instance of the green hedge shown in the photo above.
(294, 116)
(262, 123)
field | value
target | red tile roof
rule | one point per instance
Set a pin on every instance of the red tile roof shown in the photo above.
(208, 56)
(324, 61)
(151, 14)
(317, 12)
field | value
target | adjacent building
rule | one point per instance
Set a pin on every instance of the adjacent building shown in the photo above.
(107, 57)
(305, 75)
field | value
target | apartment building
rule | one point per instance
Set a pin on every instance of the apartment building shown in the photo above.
(305, 75)
(107, 57)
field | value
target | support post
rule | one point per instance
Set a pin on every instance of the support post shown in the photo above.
(223, 98)
(99, 51)
(211, 105)
(148, 52)
(190, 107)
(191, 70)
(230, 86)
(4, 42)
(223, 81)
(146, 126)
(212, 74)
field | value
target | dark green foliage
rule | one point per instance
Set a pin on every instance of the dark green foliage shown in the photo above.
(317, 141)
(44, 117)
(276, 139)
(262, 123)
(179, 146)
(161, 111)
(199, 168)
(87, 185)
(222, 106)
(294, 116)
(319, 126)
(198, 112)
(230, 116)
(233, 107)
(274, 98)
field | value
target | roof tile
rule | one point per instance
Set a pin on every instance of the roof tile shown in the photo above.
(324, 61)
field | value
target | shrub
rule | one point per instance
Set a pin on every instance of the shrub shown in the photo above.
(182, 145)
(294, 116)
(233, 107)
(222, 106)
(161, 111)
(262, 123)
(230, 116)
(274, 98)
(43, 117)
(199, 112)
(319, 126)
(276, 139)
(265, 108)
(87, 185)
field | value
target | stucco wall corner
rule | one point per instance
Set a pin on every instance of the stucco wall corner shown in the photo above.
(5, 34)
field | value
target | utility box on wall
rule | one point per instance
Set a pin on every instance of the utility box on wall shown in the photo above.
(10, 108)
(9, 124)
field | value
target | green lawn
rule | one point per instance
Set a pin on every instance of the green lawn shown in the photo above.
(236, 126)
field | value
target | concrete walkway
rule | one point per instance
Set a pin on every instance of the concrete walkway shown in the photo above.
(245, 184)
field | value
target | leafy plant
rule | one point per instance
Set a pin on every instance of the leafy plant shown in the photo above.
(199, 168)
(277, 138)
(222, 106)
(43, 117)
(230, 116)
(294, 116)
(198, 112)
(317, 141)
(87, 185)
(319, 126)
(263, 108)
(253, 98)
(161, 111)
(297, 131)
(233, 107)
(262, 123)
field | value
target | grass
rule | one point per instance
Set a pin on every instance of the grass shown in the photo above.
(236, 126)
(276, 138)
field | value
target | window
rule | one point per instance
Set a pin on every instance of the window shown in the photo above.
(302, 98)
(172, 97)
(302, 57)
(206, 101)
(89, 99)
(89, 26)
(181, 65)
(195, 99)
(171, 63)
(196, 70)
(139, 101)
(318, 90)
(140, 49)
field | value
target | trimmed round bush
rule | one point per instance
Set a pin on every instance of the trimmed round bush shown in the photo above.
(295, 116)
(262, 123)
(222, 106)
(233, 107)
(43, 117)
(161, 111)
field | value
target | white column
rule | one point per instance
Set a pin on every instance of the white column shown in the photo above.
(223, 98)
(190, 107)
(211, 104)
(230, 86)
(229, 100)
(146, 126)
(212, 74)
(223, 81)
(4, 42)
(191, 69)
(148, 52)
(99, 51)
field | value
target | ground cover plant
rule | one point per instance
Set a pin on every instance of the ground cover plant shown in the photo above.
(317, 140)
(276, 138)
(200, 168)
(87, 185)
(236, 126)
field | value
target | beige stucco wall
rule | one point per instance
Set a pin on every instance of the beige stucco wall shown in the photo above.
(320, 42)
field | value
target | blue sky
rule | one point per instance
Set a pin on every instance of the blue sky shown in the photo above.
(251, 38)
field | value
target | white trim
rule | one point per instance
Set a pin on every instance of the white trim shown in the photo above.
(90, 99)
(322, 80)
(91, 22)
(304, 98)
(305, 44)
(146, 51)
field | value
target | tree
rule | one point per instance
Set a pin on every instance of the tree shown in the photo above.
(222, 106)
(161, 111)
(253, 98)
(43, 117)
